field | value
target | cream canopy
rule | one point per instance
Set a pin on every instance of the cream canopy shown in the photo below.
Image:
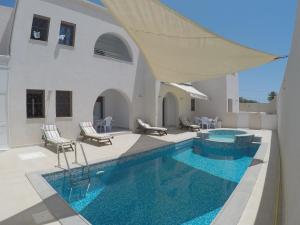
(177, 49)
(190, 90)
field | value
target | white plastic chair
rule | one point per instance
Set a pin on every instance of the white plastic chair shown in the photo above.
(205, 122)
(214, 123)
(107, 124)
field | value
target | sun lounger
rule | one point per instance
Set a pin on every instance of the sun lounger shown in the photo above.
(185, 123)
(88, 132)
(51, 135)
(147, 128)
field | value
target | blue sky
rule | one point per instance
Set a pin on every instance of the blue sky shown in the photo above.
(7, 2)
(262, 24)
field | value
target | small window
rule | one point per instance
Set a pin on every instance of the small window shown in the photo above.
(63, 104)
(193, 104)
(35, 100)
(40, 28)
(67, 34)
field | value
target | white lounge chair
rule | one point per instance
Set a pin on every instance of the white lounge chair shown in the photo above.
(88, 132)
(185, 123)
(50, 134)
(145, 127)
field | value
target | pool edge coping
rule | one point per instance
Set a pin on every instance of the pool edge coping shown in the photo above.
(236, 204)
(46, 191)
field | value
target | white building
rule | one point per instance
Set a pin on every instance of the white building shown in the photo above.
(288, 132)
(65, 61)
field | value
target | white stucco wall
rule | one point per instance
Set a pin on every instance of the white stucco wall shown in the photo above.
(6, 21)
(117, 106)
(289, 129)
(171, 110)
(183, 100)
(215, 89)
(232, 90)
(3, 102)
(146, 94)
(50, 67)
(183, 103)
(270, 108)
(218, 91)
(250, 120)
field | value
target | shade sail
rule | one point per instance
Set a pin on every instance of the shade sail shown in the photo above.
(190, 90)
(177, 49)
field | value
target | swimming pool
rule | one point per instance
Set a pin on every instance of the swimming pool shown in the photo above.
(224, 135)
(184, 183)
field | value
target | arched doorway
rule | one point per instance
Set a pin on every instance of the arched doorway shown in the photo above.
(112, 103)
(169, 111)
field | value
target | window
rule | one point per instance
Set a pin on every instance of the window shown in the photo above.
(67, 34)
(113, 47)
(35, 100)
(193, 104)
(63, 104)
(40, 28)
(230, 105)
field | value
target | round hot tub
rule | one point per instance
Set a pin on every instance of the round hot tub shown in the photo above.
(222, 135)
(226, 142)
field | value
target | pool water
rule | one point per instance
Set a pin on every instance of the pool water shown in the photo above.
(222, 138)
(227, 136)
(178, 184)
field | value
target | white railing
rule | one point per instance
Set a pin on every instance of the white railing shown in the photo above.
(110, 54)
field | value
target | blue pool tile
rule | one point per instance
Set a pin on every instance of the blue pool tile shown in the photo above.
(186, 183)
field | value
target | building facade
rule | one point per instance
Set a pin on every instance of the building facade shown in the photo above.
(63, 62)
